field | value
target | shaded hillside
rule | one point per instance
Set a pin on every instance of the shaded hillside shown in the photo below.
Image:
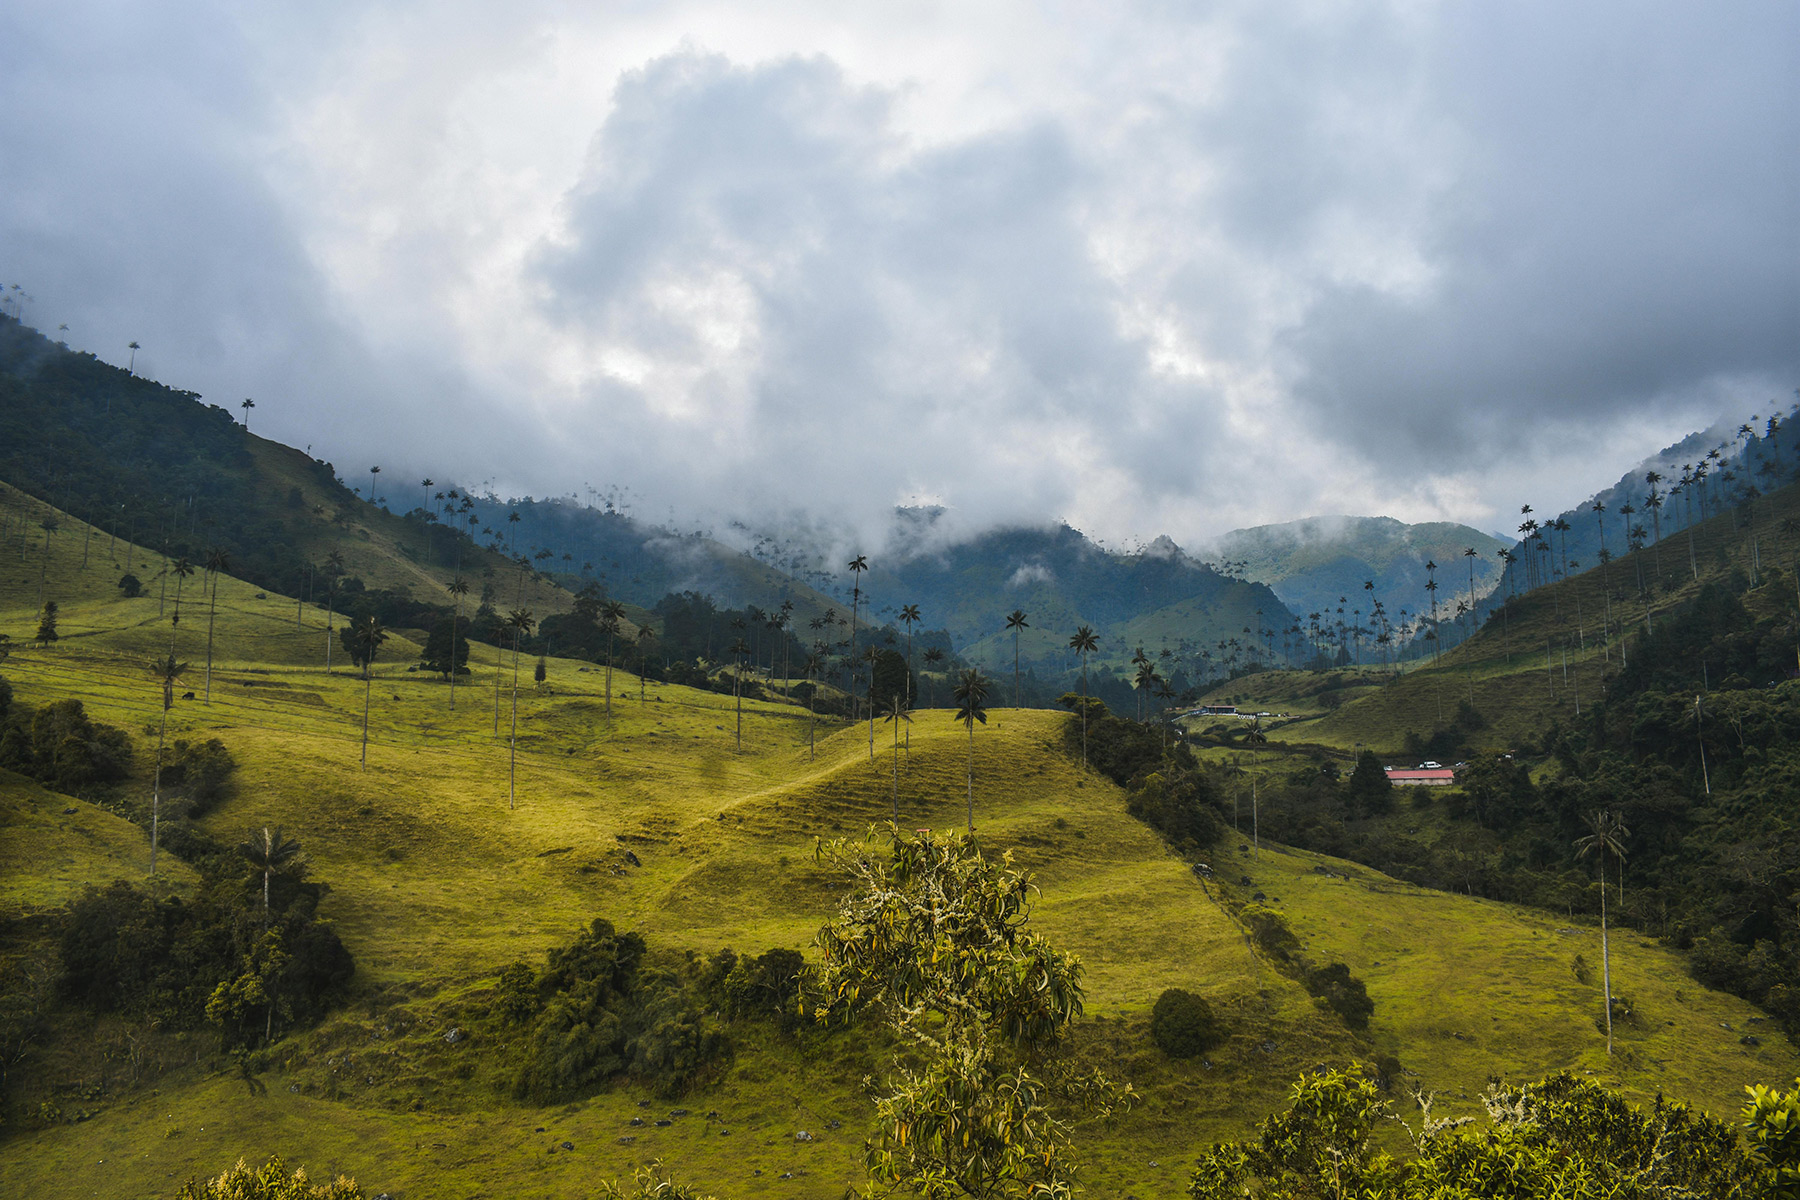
(159, 468)
(1320, 563)
(1655, 503)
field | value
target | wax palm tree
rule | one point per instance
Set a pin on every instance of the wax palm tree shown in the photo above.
(909, 616)
(1256, 739)
(898, 714)
(1146, 686)
(334, 567)
(1166, 694)
(1084, 643)
(269, 852)
(611, 613)
(871, 655)
(645, 635)
(49, 526)
(857, 565)
(365, 637)
(815, 662)
(458, 587)
(933, 656)
(1015, 621)
(373, 472)
(131, 367)
(217, 563)
(971, 706)
(1607, 834)
(247, 405)
(521, 622)
(740, 649)
(167, 672)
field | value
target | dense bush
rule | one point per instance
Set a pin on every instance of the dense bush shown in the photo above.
(600, 1009)
(58, 745)
(123, 950)
(1342, 993)
(1184, 806)
(269, 1182)
(1183, 1025)
(200, 772)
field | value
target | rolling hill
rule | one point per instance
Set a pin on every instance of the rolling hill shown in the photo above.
(653, 818)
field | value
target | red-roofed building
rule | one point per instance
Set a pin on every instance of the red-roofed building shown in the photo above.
(1421, 776)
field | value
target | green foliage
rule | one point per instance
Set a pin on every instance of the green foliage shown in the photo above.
(200, 771)
(1772, 1121)
(599, 1012)
(436, 656)
(1121, 750)
(1371, 792)
(46, 630)
(181, 961)
(1341, 992)
(517, 997)
(650, 1183)
(1185, 806)
(1270, 932)
(58, 745)
(933, 938)
(269, 1182)
(131, 586)
(1562, 1137)
(1183, 1025)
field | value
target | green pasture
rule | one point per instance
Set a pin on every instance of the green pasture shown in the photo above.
(436, 882)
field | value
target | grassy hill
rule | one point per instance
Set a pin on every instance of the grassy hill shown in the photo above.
(436, 883)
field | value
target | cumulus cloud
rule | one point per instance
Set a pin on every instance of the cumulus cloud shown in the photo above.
(1146, 269)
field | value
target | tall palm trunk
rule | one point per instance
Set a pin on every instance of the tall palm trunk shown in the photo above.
(156, 787)
(512, 762)
(971, 777)
(368, 685)
(1605, 959)
(211, 612)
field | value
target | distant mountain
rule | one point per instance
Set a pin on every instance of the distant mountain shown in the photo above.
(1751, 460)
(634, 560)
(1159, 598)
(1320, 563)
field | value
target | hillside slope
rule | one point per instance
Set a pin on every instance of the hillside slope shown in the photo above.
(436, 882)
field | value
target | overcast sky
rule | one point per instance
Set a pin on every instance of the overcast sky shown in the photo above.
(1148, 268)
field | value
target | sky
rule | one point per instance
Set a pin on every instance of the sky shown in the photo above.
(1147, 268)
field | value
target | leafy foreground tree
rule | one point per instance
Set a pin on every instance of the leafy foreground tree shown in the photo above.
(933, 939)
(269, 1182)
(1562, 1138)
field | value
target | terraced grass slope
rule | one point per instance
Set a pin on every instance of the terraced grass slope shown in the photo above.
(436, 883)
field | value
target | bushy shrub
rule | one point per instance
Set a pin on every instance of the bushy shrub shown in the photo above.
(1342, 992)
(270, 1182)
(200, 771)
(1183, 806)
(1270, 931)
(1183, 1025)
(57, 744)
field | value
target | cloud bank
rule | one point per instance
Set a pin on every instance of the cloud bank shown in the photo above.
(1146, 269)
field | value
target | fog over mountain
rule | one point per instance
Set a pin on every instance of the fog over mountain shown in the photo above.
(1142, 269)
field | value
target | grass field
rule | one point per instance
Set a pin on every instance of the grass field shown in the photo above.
(436, 882)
